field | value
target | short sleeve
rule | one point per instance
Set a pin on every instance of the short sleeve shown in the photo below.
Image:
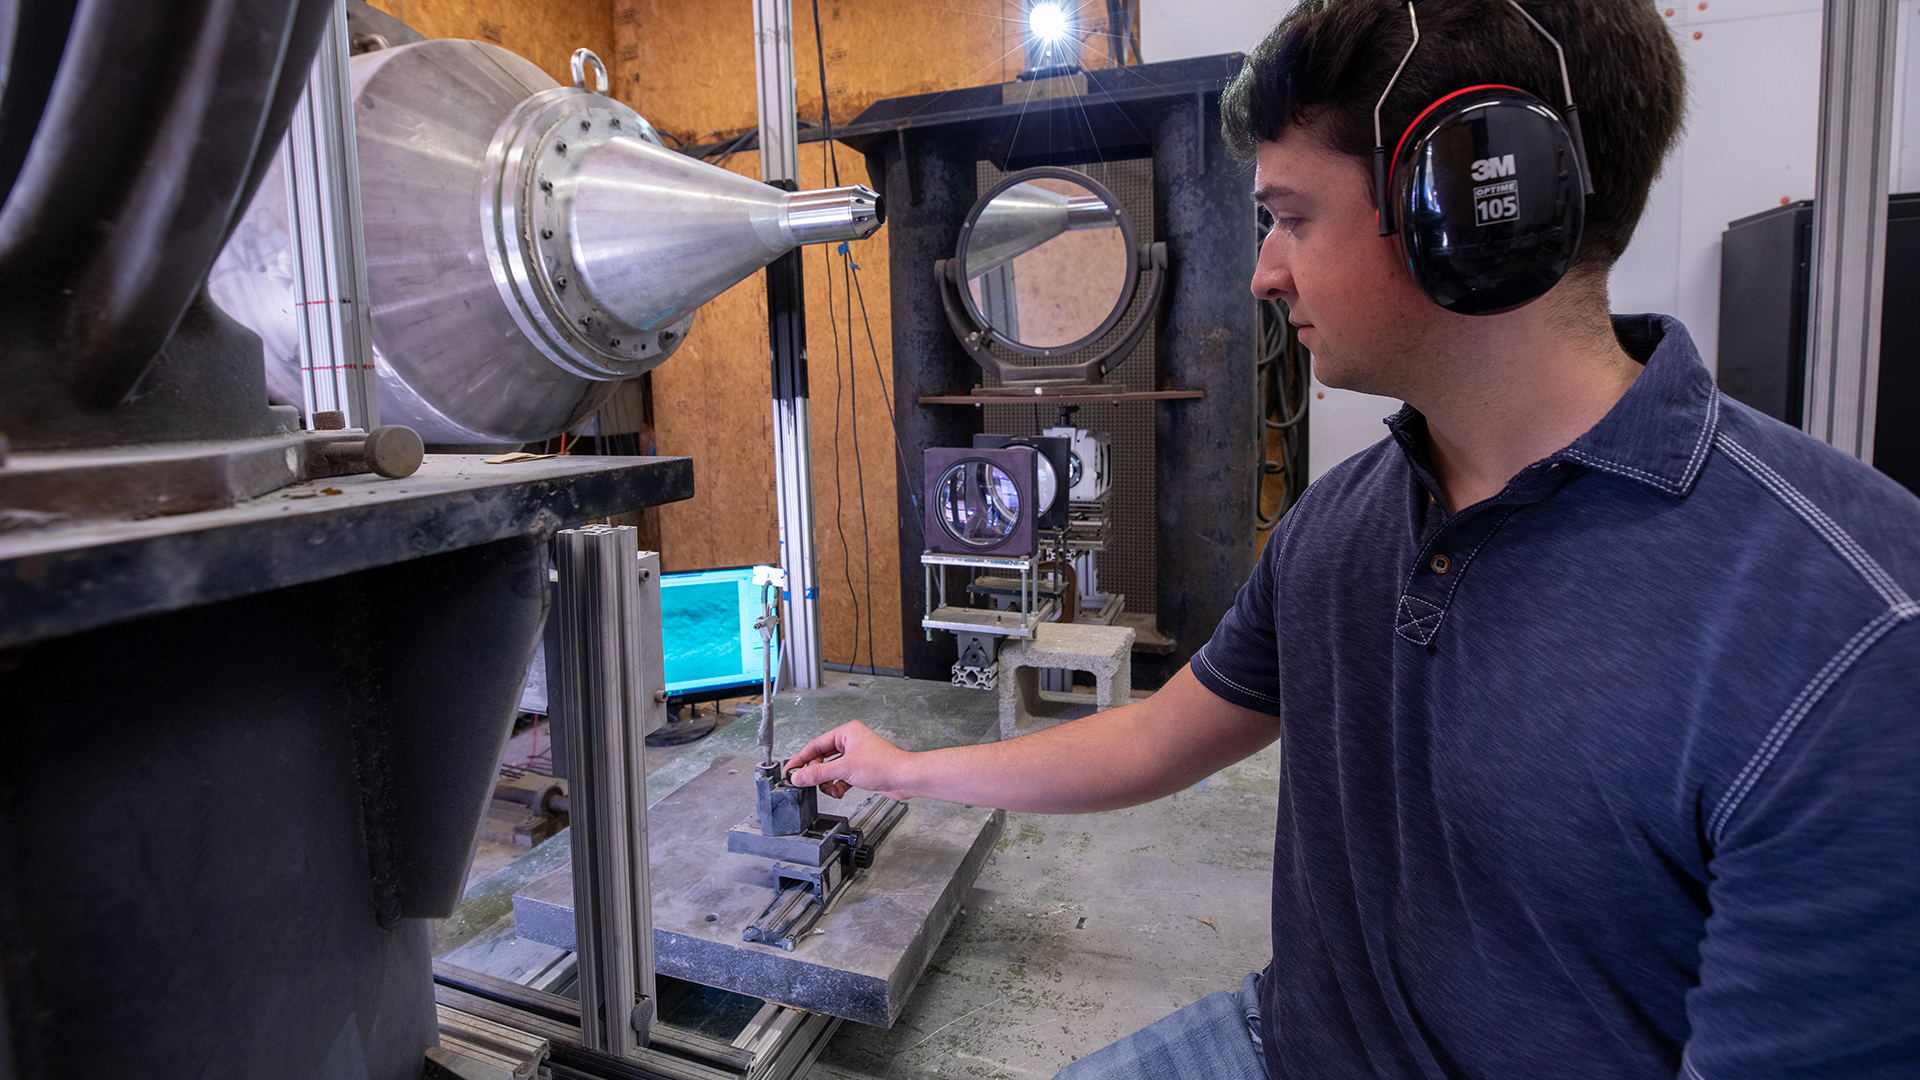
(1241, 662)
(1811, 963)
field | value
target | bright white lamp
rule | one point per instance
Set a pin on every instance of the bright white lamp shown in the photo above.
(1048, 21)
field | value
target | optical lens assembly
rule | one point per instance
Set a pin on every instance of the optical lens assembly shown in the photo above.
(979, 504)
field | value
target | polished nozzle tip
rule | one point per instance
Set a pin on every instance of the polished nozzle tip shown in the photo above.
(830, 214)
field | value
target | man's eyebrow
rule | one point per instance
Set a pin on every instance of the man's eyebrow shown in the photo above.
(1268, 191)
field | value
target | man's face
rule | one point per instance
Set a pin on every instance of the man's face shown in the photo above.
(1347, 289)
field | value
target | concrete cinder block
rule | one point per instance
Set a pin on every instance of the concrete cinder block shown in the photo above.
(1106, 652)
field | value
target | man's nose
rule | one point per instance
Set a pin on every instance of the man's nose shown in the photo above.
(1272, 278)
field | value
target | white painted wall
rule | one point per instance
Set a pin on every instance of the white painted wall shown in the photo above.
(1177, 29)
(1753, 112)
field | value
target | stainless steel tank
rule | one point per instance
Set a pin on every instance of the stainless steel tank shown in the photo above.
(528, 245)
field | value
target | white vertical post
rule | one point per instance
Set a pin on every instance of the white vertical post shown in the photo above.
(792, 429)
(322, 166)
(1850, 222)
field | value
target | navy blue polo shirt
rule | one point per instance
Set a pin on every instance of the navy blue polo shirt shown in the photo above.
(1615, 774)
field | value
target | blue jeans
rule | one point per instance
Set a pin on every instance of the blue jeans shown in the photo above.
(1215, 1038)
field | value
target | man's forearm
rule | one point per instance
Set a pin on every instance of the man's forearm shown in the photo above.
(1121, 757)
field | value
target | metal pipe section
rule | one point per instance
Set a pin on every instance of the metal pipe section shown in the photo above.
(833, 214)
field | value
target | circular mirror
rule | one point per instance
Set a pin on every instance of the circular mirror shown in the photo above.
(979, 504)
(1048, 261)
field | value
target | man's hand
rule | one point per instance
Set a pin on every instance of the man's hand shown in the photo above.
(851, 756)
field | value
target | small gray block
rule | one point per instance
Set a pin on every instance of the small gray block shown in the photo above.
(1104, 651)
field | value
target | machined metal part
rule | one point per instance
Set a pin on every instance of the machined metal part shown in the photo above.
(812, 866)
(528, 245)
(610, 658)
(780, 808)
(47, 489)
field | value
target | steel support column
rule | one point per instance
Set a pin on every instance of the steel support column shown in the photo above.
(1207, 456)
(929, 184)
(1850, 223)
(787, 341)
(322, 165)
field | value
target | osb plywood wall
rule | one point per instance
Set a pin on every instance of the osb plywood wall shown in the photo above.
(688, 67)
(544, 31)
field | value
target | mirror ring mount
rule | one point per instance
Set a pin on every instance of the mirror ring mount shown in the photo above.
(977, 333)
(1028, 379)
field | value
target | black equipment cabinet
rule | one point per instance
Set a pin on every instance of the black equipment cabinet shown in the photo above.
(1765, 279)
(923, 154)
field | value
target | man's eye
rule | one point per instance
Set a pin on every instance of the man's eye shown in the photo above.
(1264, 216)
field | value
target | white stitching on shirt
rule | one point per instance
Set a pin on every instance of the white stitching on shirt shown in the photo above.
(1218, 674)
(1900, 609)
(1440, 611)
(1603, 464)
(1829, 530)
(1809, 696)
(1686, 1066)
(1676, 487)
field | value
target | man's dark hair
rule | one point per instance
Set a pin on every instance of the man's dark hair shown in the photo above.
(1324, 66)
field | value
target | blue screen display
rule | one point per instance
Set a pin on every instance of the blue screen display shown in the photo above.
(706, 629)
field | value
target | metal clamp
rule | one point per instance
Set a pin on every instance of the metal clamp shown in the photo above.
(583, 57)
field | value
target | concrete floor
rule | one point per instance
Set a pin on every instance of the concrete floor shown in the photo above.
(1079, 930)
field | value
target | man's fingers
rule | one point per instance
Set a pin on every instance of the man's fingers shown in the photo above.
(835, 788)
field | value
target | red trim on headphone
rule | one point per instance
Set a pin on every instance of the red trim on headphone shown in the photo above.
(1394, 161)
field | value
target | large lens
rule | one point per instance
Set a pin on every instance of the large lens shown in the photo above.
(979, 504)
(1049, 482)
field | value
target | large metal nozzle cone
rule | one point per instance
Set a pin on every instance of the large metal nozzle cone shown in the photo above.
(655, 234)
(528, 246)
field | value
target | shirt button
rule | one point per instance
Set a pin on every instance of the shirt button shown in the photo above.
(1440, 564)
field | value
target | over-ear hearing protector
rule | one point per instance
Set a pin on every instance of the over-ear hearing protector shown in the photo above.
(1488, 187)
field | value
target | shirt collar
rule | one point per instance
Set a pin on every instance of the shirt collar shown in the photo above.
(1657, 434)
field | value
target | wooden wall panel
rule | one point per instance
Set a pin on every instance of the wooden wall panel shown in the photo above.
(688, 67)
(544, 31)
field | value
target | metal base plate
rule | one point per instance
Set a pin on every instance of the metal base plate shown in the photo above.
(867, 951)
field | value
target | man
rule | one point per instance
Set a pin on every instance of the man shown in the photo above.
(1598, 692)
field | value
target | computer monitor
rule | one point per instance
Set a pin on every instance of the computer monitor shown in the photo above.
(706, 633)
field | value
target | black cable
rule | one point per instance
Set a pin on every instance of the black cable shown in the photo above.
(885, 394)
(1281, 389)
(833, 324)
(853, 401)
(860, 478)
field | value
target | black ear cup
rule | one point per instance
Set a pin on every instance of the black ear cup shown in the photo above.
(1488, 195)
